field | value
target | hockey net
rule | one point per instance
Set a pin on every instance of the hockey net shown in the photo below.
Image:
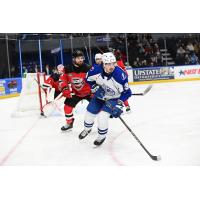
(32, 97)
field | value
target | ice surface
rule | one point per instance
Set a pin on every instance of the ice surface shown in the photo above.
(166, 120)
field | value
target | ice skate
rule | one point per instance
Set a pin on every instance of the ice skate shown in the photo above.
(100, 139)
(67, 127)
(83, 134)
(128, 109)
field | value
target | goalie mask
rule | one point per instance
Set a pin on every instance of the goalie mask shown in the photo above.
(61, 69)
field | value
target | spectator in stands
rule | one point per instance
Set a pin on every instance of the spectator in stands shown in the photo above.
(180, 51)
(159, 58)
(137, 63)
(144, 63)
(180, 56)
(196, 48)
(186, 60)
(190, 47)
(154, 60)
(193, 59)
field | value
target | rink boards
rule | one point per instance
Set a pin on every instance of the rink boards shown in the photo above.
(148, 75)
(163, 74)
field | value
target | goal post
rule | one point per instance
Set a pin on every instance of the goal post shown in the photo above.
(32, 97)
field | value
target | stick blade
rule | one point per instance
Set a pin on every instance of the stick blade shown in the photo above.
(156, 158)
(147, 89)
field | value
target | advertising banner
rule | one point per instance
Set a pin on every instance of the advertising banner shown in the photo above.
(189, 71)
(103, 39)
(2, 87)
(10, 86)
(153, 73)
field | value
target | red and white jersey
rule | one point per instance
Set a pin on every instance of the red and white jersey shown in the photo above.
(53, 81)
(74, 79)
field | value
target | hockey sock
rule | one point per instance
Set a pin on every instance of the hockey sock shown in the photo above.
(89, 121)
(103, 118)
(126, 103)
(68, 114)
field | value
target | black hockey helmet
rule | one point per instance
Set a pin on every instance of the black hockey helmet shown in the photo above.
(77, 53)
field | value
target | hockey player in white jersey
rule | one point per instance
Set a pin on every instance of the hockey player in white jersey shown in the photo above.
(109, 83)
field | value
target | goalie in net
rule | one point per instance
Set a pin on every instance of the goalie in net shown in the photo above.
(38, 91)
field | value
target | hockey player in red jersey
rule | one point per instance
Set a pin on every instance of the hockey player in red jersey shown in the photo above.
(53, 80)
(74, 87)
(120, 63)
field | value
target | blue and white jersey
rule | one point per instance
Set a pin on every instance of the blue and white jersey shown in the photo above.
(96, 65)
(112, 86)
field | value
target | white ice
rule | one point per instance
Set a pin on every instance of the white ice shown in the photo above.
(166, 120)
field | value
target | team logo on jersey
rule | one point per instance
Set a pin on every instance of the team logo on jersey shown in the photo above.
(78, 83)
(109, 91)
(123, 76)
(92, 68)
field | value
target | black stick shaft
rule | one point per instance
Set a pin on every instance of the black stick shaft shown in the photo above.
(139, 94)
(152, 157)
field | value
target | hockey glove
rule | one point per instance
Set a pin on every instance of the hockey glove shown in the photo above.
(100, 93)
(94, 88)
(67, 93)
(116, 108)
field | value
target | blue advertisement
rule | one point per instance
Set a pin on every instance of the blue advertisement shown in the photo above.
(103, 39)
(10, 86)
(153, 73)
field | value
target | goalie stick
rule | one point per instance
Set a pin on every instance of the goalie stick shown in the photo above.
(145, 91)
(40, 86)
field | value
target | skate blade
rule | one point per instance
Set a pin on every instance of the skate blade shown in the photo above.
(62, 131)
(128, 112)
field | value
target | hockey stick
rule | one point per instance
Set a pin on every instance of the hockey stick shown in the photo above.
(145, 91)
(156, 158)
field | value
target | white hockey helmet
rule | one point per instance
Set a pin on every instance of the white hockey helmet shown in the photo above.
(98, 56)
(108, 58)
(61, 69)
